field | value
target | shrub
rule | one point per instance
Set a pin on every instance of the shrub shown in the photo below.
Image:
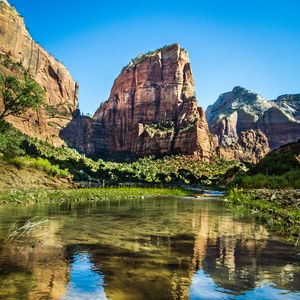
(39, 164)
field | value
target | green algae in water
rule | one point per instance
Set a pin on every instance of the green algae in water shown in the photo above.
(155, 248)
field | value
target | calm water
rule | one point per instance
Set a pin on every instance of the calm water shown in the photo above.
(143, 249)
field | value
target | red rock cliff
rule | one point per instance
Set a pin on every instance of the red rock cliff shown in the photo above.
(152, 109)
(16, 45)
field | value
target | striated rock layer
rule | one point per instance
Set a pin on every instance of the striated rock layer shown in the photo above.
(250, 146)
(19, 52)
(152, 109)
(235, 113)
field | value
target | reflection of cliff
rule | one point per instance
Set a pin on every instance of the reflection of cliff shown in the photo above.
(239, 256)
(235, 253)
(148, 249)
(34, 271)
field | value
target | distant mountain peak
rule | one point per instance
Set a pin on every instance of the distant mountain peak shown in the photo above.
(240, 89)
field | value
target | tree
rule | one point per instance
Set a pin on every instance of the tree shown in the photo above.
(19, 95)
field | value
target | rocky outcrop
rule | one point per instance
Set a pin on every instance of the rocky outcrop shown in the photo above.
(152, 109)
(250, 146)
(240, 110)
(19, 52)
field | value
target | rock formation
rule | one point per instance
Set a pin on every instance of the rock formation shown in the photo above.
(240, 113)
(250, 146)
(19, 52)
(152, 109)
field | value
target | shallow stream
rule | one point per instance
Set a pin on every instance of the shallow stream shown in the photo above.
(167, 248)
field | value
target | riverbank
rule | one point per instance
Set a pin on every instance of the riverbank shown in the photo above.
(280, 209)
(29, 178)
(34, 196)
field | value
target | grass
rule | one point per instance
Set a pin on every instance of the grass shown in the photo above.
(19, 233)
(41, 164)
(281, 216)
(32, 196)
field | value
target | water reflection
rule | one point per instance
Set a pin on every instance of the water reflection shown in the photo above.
(85, 281)
(203, 287)
(146, 249)
(34, 270)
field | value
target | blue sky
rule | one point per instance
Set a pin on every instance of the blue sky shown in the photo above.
(255, 44)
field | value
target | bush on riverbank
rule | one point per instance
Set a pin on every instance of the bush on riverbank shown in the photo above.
(288, 179)
(40, 164)
(278, 208)
(279, 169)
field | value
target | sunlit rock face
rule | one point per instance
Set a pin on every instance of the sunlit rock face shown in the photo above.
(16, 45)
(240, 111)
(250, 146)
(152, 109)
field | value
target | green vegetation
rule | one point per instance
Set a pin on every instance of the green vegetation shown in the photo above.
(178, 169)
(8, 63)
(19, 95)
(162, 128)
(135, 61)
(10, 141)
(39, 164)
(57, 111)
(81, 195)
(288, 179)
(13, 149)
(279, 169)
(278, 210)
(171, 170)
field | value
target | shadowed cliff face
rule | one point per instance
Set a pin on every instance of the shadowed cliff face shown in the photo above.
(19, 52)
(241, 113)
(152, 109)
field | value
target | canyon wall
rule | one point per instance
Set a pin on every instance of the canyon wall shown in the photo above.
(19, 53)
(152, 108)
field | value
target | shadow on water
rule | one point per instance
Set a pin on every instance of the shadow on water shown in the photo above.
(144, 249)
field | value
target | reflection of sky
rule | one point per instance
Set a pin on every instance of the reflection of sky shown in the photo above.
(203, 287)
(85, 282)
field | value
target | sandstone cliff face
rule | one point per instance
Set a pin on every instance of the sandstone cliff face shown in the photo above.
(240, 110)
(250, 146)
(17, 46)
(152, 109)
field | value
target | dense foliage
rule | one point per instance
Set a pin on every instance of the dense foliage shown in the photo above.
(13, 150)
(171, 169)
(18, 95)
(279, 169)
(167, 170)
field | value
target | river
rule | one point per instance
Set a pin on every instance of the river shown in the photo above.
(156, 248)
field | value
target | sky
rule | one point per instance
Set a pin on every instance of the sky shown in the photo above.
(250, 43)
